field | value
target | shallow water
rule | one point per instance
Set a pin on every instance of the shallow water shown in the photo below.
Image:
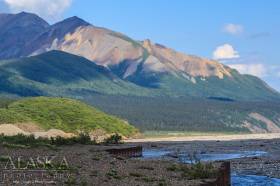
(237, 180)
(220, 156)
(185, 158)
(253, 180)
(148, 153)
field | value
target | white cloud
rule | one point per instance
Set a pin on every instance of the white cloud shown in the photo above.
(225, 51)
(259, 70)
(48, 9)
(233, 29)
(255, 65)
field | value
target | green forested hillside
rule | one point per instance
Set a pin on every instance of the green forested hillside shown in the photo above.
(187, 114)
(58, 73)
(65, 114)
(147, 114)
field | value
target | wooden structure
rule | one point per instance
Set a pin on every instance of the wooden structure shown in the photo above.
(224, 177)
(129, 152)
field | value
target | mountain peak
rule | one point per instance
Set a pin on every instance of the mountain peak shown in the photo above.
(25, 19)
(30, 17)
(73, 22)
(147, 44)
(16, 30)
(24, 13)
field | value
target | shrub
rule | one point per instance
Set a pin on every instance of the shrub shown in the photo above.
(113, 139)
(200, 171)
(21, 140)
(84, 138)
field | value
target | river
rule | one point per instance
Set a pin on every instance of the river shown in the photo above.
(237, 179)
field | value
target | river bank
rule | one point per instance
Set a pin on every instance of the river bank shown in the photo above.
(93, 165)
(250, 158)
(257, 159)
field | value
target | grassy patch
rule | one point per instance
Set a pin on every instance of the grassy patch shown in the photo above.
(22, 141)
(65, 114)
(9, 116)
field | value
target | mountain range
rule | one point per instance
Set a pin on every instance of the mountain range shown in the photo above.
(153, 86)
(75, 58)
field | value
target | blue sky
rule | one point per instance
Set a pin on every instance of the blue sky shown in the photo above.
(239, 33)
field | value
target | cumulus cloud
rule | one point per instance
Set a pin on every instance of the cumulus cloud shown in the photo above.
(233, 29)
(48, 9)
(225, 51)
(259, 70)
(254, 64)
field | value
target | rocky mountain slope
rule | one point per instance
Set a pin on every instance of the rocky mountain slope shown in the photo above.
(151, 69)
(16, 31)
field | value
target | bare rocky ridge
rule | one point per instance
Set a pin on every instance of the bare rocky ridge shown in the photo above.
(100, 45)
(191, 65)
(103, 46)
(108, 48)
(269, 125)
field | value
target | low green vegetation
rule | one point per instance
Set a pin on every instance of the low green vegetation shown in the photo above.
(29, 141)
(114, 139)
(5, 101)
(65, 114)
(23, 141)
(10, 116)
(113, 174)
(82, 138)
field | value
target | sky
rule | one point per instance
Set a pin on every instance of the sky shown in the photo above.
(242, 34)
